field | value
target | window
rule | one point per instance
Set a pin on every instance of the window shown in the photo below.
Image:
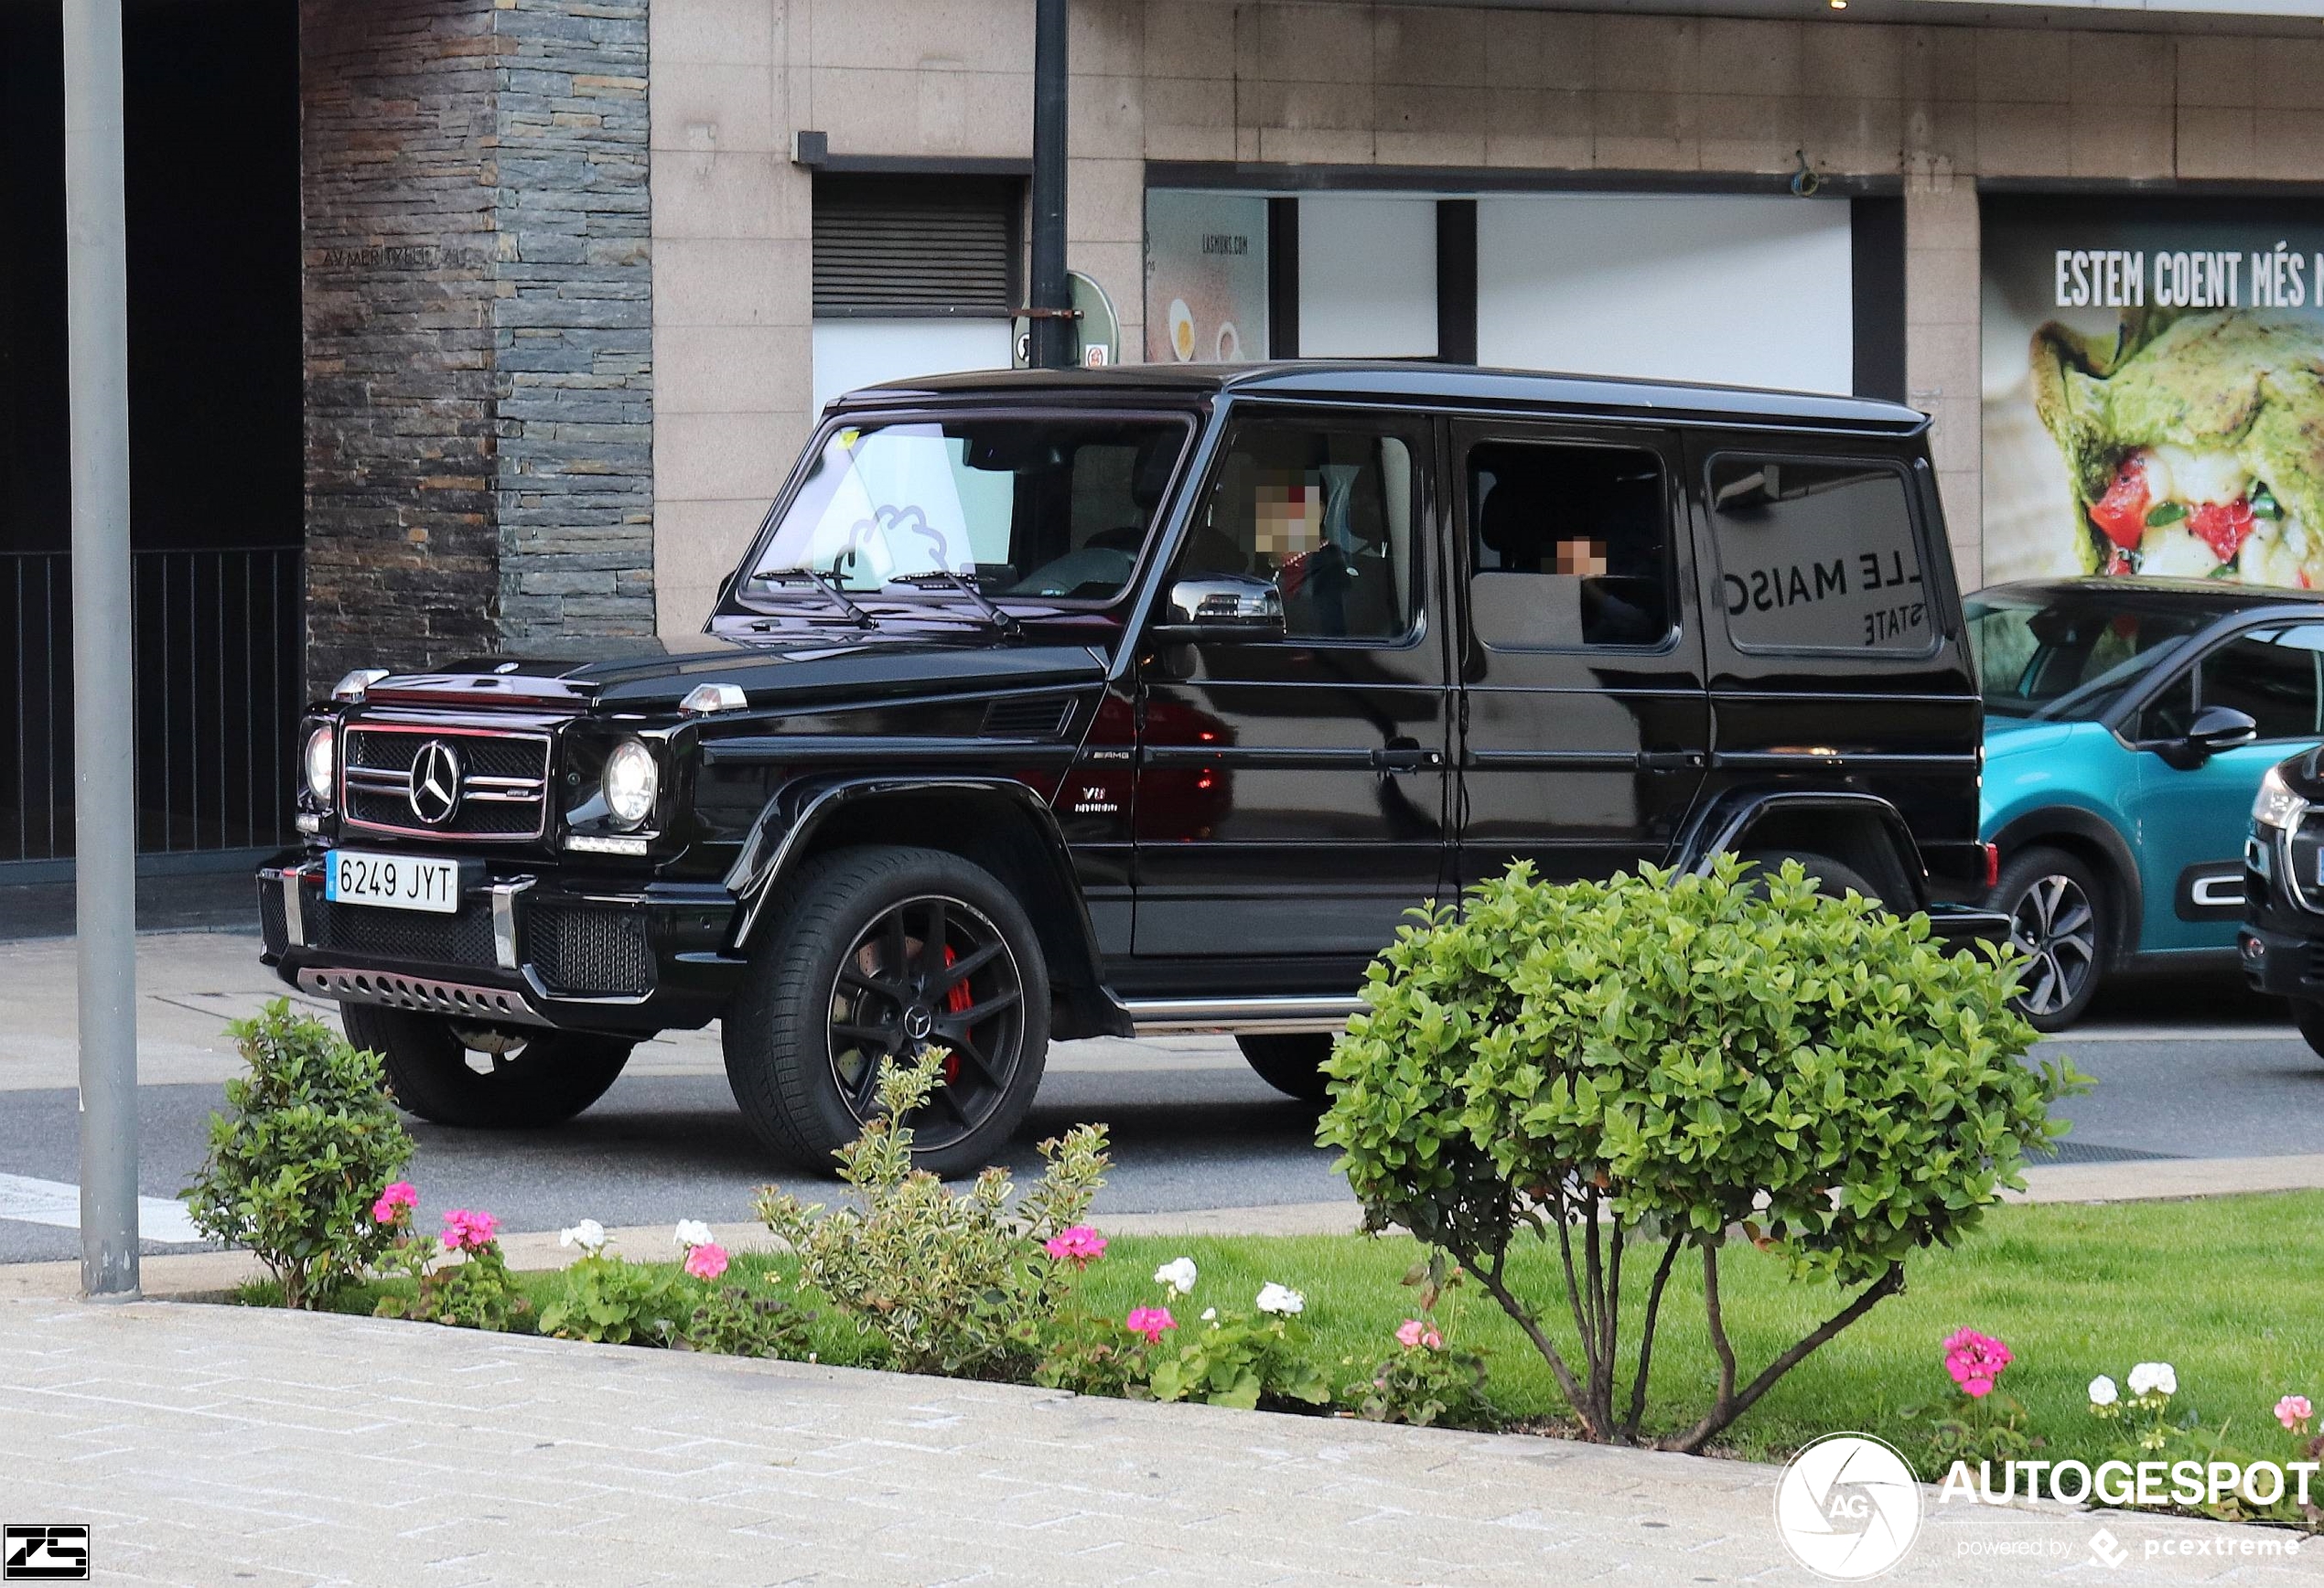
(1051, 508)
(1818, 555)
(2272, 675)
(2069, 658)
(1328, 515)
(1568, 545)
(2170, 713)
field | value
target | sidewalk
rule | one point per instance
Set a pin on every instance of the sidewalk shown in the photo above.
(205, 1444)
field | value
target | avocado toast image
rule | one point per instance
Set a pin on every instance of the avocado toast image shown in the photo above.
(2195, 442)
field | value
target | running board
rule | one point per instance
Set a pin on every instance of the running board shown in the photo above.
(424, 993)
(1168, 1016)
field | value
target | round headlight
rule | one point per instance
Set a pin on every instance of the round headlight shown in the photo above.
(631, 781)
(319, 768)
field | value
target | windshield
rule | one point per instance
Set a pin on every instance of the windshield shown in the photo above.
(2070, 658)
(1056, 508)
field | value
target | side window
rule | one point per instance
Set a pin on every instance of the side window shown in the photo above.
(1568, 545)
(2171, 713)
(2274, 676)
(1327, 513)
(1817, 555)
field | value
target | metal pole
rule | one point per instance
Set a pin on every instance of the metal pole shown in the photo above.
(1052, 335)
(104, 799)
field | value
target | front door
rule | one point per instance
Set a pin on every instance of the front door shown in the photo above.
(1291, 793)
(2191, 819)
(1586, 727)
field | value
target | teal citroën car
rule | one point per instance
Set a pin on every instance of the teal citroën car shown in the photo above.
(2128, 722)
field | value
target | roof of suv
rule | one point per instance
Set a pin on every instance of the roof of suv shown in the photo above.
(2214, 597)
(1380, 380)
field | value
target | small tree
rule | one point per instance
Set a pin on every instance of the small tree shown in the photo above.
(1669, 1062)
(307, 1143)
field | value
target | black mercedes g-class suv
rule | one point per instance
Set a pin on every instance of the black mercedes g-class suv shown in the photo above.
(1144, 700)
(2281, 940)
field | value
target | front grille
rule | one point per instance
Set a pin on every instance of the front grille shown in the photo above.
(504, 780)
(589, 951)
(271, 923)
(405, 936)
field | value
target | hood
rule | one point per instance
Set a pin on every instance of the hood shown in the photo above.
(648, 675)
(2024, 736)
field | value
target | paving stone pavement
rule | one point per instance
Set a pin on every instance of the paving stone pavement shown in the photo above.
(209, 1444)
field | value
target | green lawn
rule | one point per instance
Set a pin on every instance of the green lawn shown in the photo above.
(2226, 1289)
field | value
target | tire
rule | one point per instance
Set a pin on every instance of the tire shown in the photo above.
(2060, 914)
(431, 1064)
(2309, 1017)
(1832, 880)
(841, 986)
(1292, 1063)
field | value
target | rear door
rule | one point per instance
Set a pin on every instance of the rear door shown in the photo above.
(1584, 724)
(1291, 793)
(1826, 589)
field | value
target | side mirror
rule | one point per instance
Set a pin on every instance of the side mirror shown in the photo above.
(2215, 728)
(1221, 607)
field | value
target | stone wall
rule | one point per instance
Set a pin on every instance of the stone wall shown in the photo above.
(478, 351)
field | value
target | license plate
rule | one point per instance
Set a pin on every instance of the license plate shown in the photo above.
(395, 881)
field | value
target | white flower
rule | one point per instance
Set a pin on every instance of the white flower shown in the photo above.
(2152, 1376)
(1282, 1299)
(1210, 1314)
(2102, 1391)
(589, 1235)
(1178, 1273)
(692, 1232)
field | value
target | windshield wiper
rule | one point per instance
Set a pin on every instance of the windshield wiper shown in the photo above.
(830, 588)
(939, 577)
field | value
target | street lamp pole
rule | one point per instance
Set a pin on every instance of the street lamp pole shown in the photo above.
(104, 794)
(1050, 297)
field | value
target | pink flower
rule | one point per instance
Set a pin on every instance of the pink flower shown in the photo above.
(467, 1231)
(2293, 1411)
(1079, 1245)
(1975, 1360)
(707, 1260)
(1419, 1334)
(1149, 1322)
(393, 1201)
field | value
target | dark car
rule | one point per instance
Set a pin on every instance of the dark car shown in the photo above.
(2127, 723)
(1150, 700)
(2282, 941)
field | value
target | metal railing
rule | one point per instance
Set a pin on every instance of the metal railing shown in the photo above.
(218, 647)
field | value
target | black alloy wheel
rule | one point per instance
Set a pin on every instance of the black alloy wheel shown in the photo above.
(929, 972)
(872, 956)
(2058, 920)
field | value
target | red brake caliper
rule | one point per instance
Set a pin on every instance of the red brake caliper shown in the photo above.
(955, 1001)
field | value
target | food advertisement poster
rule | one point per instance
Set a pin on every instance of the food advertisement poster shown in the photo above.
(2154, 388)
(1206, 277)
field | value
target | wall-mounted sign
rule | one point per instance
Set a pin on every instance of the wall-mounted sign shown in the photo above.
(2154, 388)
(1206, 277)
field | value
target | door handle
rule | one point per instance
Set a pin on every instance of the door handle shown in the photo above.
(1405, 756)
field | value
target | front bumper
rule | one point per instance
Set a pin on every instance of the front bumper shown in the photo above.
(528, 946)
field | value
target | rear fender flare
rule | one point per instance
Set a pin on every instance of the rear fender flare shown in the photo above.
(1728, 822)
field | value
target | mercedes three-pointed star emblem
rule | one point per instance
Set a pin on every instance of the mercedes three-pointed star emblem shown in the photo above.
(436, 783)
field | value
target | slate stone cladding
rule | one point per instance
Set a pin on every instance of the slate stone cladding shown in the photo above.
(477, 326)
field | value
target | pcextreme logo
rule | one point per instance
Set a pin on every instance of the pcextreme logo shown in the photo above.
(1847, 1507)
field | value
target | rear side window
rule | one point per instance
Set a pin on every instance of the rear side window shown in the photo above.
(1570, 546)
(1818, 554)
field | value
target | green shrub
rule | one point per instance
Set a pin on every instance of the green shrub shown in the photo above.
(734, 1322)
(1236, 1359)
(307, 1142)
(462, 1281)
(1672, 1061)
(619, 1303)
(951, 1284)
